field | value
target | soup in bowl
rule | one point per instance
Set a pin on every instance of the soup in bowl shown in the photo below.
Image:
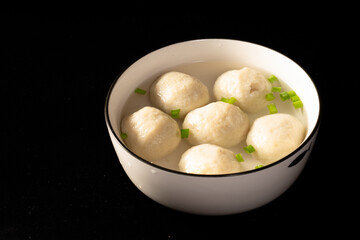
(253, 184)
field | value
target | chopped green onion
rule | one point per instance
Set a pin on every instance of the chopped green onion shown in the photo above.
(298, 104)
(184, 133)
(272, 78)
(284, 96)
(123, 135)
(175, 113)
(239, 157)
(258, 166)
(295, 98)
(291, 93)
(249, 149)
(269, 97)
(140, 91)
(272, 108)
(231, 100)
(276, 89)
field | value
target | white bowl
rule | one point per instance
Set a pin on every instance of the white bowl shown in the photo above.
(213, 194)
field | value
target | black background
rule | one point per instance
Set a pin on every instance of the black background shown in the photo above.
(61, 178)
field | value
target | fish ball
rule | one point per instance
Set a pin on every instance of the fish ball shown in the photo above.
(151, 133)
(274, 136)
(217, 123)
(176, 90)
(247, 85)
(209, 159)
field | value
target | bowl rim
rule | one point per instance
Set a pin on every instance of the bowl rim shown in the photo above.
(304, 143)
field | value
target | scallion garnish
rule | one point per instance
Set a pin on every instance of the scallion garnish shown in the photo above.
(249, 149)
(295, 98)
(272, 108)
(298, 104)
(175, 113)
(258, 166)
(272, 78)
(140, 91)
(123, 135)
(184, 133)
(239, 158)
(276, 89)
(269, 97)
(284, 96)
(231, 100)
(291, 93)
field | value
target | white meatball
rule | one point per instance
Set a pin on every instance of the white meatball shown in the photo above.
(247, 85)
(274, 136)
(209, 159)
(217, 123)
(151, 133)
(176, 90)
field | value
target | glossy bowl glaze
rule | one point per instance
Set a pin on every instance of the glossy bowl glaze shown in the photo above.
(213, 194)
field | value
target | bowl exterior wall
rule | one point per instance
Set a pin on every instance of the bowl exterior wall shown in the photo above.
(213, 195)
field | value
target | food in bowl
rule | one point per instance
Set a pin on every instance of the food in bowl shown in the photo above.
(246, 85)
(274, 136)
(178, 91)
(209, 159)
(150, 133)
(222, 123)
(219, 123)
(213, 194)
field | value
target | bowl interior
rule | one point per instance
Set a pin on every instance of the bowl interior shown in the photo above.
(243, 53)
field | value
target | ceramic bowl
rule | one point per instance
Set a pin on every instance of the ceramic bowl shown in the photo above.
(212, 194)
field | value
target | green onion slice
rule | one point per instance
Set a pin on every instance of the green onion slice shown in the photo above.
(249, 149)
(272, 78)
(258, 166)
(276, 89)
(298, 104)
(269, 97)
(291, 93)
(140, 91)
(184, 133)
(123, 135)
(231, 100)
(284, 96)
(239, 158)
(295, 98)
(272, 108)
(175, 113)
